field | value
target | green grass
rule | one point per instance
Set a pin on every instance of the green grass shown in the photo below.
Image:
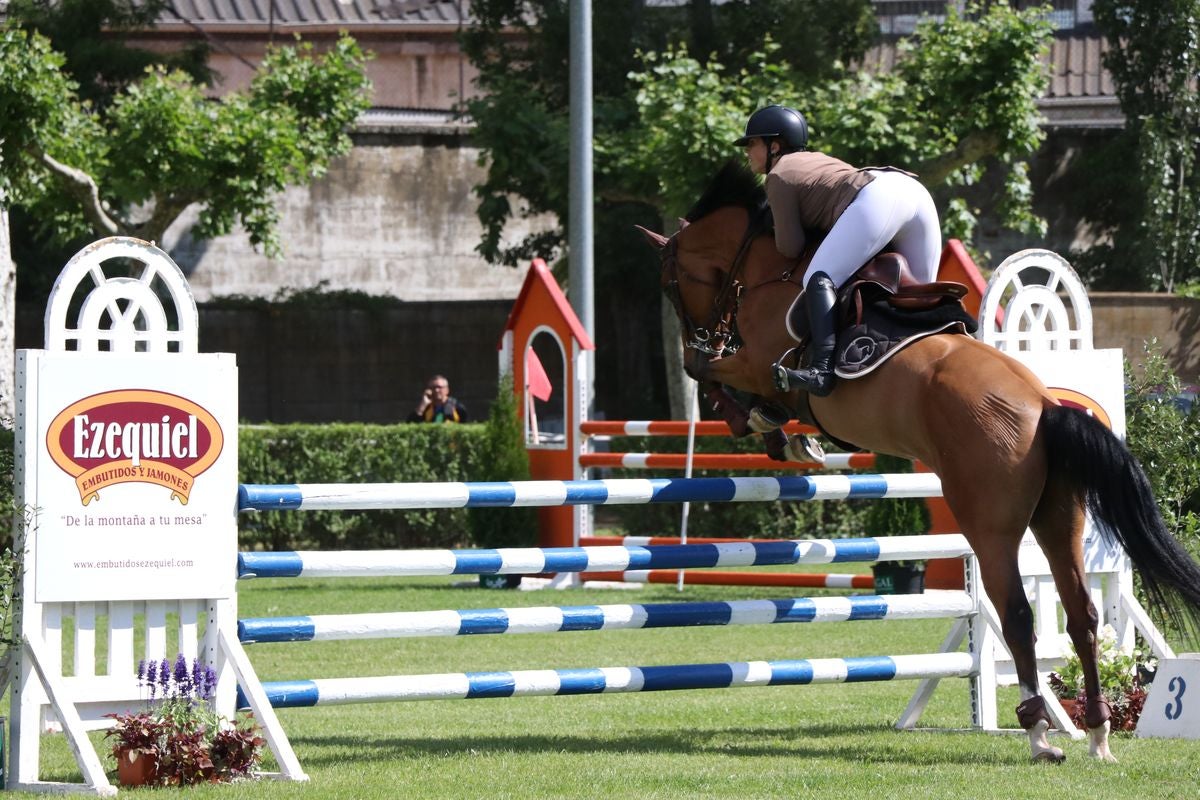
(822, 741)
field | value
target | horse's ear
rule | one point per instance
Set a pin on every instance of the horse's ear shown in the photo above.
(655, 239)
(683, 223)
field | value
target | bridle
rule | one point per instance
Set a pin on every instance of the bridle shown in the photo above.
(718, 337)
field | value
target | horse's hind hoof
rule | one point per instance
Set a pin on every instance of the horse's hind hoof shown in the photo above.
(1098, 743)
(1050, 756)
(1040, 749)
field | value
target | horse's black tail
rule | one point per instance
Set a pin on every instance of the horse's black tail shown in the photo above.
(1118, 496)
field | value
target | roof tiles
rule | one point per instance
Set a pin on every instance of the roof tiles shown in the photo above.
(318, 13)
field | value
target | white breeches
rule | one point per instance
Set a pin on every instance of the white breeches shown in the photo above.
(892, 208)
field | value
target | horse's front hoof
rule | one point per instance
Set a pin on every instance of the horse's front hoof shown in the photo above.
(805, 449)
(761, 420)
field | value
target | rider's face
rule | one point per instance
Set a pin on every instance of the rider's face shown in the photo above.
(756, 155)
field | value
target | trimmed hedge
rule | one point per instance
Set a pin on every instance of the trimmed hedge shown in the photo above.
(359, 453)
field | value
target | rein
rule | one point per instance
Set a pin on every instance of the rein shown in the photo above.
(717, 337)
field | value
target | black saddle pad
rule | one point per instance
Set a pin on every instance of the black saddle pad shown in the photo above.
(886, 331)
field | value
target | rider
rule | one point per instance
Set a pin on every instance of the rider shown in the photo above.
(863, 210)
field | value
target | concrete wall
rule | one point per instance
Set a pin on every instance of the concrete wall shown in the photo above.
(395, 216)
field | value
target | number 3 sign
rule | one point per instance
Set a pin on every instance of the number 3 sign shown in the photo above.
(1172, 709)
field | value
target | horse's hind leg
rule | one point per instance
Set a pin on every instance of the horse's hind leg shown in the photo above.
(1058, 526)
(994, 532)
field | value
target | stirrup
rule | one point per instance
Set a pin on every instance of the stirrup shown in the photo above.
(811, 380)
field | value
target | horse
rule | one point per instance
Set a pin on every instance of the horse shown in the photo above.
(1009, 455)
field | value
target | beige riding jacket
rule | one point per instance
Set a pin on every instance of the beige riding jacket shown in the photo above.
(810, 190)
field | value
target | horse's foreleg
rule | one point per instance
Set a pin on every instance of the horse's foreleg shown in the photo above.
(735, 416)
(759, 419)
(1058, 527)
(744, 374)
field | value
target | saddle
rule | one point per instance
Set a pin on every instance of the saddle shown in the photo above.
(889, 273)
(883, 309)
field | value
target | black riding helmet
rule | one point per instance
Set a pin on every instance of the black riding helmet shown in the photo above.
(777, 122)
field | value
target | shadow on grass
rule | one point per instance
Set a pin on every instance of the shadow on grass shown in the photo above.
(862, 745)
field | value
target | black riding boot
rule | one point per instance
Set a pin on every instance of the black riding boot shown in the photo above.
(820, 301)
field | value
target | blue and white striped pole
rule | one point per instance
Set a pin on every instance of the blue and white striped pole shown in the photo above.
(476, 685)
(604, 558)
(554, 619)
(622, 491)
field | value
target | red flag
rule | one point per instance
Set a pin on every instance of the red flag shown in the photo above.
(535, 376)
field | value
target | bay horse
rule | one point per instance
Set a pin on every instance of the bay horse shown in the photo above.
(1009, 456)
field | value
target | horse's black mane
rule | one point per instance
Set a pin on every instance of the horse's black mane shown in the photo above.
(734, 185)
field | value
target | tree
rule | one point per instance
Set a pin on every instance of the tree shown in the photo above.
(134, 164)
(1150, 210)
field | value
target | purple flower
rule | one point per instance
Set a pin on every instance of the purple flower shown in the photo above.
(198, 678)
(148, 671)
(164, 677)
(210, 682)
(183, 684)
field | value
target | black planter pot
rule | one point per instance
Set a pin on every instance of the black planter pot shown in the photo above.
(499, 581)
(892, 578)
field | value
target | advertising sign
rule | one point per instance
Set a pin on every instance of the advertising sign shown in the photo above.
(136, 475)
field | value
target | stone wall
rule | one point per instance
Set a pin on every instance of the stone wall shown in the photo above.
(395, 216)
(1127, 320)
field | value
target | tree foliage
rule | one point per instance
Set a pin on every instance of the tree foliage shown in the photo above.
(1151, 212)
(961, 99)
(1164, 435)
(91, 35)
(133, 164)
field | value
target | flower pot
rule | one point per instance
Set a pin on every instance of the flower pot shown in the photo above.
(141, 770)
(500, 581)
(1074, 710)
(892, 578)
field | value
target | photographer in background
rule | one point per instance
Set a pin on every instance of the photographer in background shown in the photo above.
(437, 405)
